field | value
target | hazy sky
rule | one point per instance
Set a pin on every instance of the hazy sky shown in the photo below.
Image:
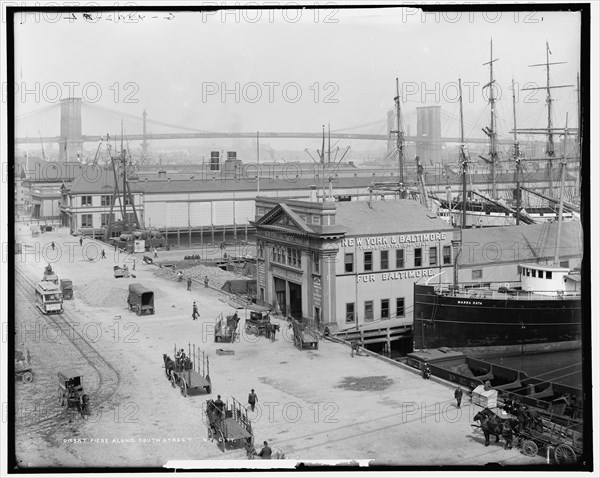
(290, 71)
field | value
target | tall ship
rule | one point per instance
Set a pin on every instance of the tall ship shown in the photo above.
(540, 312)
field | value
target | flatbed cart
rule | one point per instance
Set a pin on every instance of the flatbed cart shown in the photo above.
(226, 328)
(303, 337)
(229, 425)
(184, 371)
(566, 441)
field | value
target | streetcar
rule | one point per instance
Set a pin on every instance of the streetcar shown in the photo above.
(48, 297)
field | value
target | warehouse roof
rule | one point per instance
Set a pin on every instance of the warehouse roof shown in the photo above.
(483, 246)
(359, 218)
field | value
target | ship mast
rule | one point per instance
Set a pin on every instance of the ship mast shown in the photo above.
(399, 141)
(550, 153)
(491, 130)
(516, 152)
(563, 165)
(463, 161)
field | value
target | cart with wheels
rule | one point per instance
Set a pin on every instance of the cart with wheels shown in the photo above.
(565, 441)
(229, 425)
(184, 372)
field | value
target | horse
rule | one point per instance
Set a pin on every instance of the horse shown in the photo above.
(491, 424)
(169, 365)
(83, 404)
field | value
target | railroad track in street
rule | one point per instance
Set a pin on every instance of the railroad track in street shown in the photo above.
(108, 378)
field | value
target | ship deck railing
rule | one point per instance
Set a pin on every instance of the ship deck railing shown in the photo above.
(493, 294)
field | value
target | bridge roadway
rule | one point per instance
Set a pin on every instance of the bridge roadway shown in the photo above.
(263, 135)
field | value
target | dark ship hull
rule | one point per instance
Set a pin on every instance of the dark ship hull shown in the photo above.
(489, 326)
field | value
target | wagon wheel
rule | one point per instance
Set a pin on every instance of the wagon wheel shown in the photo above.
(28, 377)
(173, 380)
(530, 448)
(60, 398)
(208, 389)
(167, 373)
(564, 455)
(183, 385)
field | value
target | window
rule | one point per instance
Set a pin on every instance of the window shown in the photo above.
(368, 311)
(86, 200)
(564, 264)
(541, 274)
(400, 259)
(476, 274)
(385, 308)
(316, 220)
(317, 315)
(105, 200)
(548, 274)
(400, 307)
(349, 262)
(527, 270)
(433, 256)
(418, 257)
(368, 261)
(447, 253)
(316, 263)
(384, 260)
(104, 219)
(86, 220)
(350, 312)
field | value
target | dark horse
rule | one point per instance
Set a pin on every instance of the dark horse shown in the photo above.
(491, 424)
(83, 404)
(169, 365)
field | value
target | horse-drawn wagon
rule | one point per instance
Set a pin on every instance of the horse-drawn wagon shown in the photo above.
(184, 371)
(303, 336)
(23, 370)
(226, 328)
(229, 424)
(259, 321)
(498, 423)
(566, 441)
(70, 391)
(50, 275)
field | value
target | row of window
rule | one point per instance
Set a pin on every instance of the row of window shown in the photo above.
(87, 220)
(370, 310)
(313, 219)
(384, 259)
(105, 200)
(287, 256)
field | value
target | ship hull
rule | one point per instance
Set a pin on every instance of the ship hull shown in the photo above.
(480, 326)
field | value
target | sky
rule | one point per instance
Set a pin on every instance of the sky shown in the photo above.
(290, 71)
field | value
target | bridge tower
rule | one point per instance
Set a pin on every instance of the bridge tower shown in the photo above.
(71, 139)
(429, 134)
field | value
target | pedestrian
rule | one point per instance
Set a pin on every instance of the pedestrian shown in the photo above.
(252, 399)
(205, 282)
(81, 242)
(104, 255)
(155, 252)
(195, 313)
(458, 394)
(522, 416)
(53, 245)
(133, 268)
(189, 284)
(426, 372)
(354, 346)
(265, 453)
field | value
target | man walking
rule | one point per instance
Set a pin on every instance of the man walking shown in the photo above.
(189, 284)
(252, 399)
(195, 313)
(458, 393)
(155, 253)
(81, 242)
(104, 255)
(265, 453)
(53, 245)
(205, 282)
